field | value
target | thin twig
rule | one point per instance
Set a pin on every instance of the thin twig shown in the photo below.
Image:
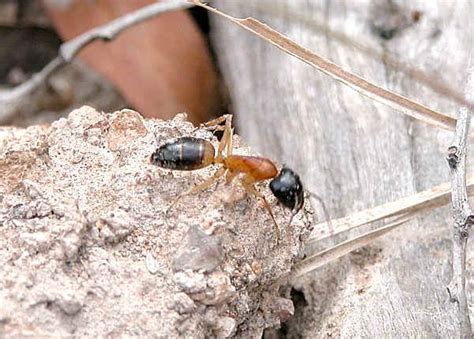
(11, 99)
(463, 219)
(364, 87)
(416, 203)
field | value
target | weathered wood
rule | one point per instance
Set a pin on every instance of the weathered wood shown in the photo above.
(356, 153)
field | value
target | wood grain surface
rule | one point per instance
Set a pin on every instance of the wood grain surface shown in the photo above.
(357, 153)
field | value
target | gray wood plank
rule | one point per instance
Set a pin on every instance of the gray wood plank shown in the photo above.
(354, 152)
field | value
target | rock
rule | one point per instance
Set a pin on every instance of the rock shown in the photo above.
(200, 252)
(72, 236)
(88, 249)
(125, 127)
(191, 282)
(69, 303)
(115, 226)
(36, 242)
(222, 326)
(22, 211)
(153, 265)
(70, 243)
(284, 308)
(219, 289)
(225, 327)
(182, 303)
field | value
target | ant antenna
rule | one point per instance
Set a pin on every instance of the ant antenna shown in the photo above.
(324, 208)
(294, 211)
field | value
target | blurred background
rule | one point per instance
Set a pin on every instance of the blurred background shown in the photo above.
(159, 67)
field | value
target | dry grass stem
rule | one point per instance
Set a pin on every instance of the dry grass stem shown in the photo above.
(399, 211)
(433, 81)
(352, 80)
(434, 197)
(330, 254)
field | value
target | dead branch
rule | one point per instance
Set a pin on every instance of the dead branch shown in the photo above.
(462, 214)
(11, 99)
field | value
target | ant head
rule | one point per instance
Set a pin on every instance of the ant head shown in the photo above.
(288, 189)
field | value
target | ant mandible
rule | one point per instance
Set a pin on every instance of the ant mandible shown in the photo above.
(189, 153)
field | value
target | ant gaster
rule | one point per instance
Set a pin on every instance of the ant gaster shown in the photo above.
(188, 153)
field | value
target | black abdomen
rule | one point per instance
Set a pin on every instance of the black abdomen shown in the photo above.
(184, 154)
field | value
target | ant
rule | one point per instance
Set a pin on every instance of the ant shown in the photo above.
(189, 153)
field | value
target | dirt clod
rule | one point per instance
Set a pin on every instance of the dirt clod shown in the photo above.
(87, 247)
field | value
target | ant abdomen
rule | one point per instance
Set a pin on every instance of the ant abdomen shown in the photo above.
(186, 154)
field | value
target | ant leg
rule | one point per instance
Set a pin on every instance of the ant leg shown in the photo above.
(324, 208)
(223, 143)
(230, 176)
(207, 183)
(226, 140)
(247, 183)
(230, 134)
(228, 179)
(229, 142)
(212, 125)
(215, 124)
(201, 187)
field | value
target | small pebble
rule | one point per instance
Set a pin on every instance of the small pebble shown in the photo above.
(153, 265)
